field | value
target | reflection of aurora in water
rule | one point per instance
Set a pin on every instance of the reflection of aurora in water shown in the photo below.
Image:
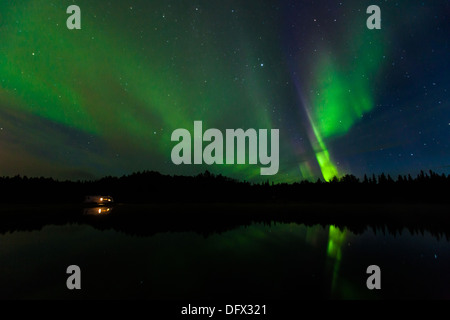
(259, 261)
(336, 239)
(316, 237)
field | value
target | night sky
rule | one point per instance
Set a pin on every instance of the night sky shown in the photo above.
(104, 100)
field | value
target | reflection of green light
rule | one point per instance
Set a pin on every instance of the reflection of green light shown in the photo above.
(336, 239)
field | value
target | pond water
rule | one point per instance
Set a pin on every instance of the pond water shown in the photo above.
(257, 261)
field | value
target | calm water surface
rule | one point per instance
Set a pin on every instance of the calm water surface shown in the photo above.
(260, 261)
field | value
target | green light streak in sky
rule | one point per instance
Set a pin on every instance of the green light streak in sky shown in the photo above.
(329, 170)
(129, 88)
(344, 88)
(343, 92)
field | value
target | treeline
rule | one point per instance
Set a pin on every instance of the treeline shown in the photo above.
(153, 187)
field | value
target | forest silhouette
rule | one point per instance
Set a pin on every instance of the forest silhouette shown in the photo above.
(147, 203)
(153, 187)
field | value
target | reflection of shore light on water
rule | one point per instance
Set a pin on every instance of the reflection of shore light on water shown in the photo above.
(103, 210)
(97, 211)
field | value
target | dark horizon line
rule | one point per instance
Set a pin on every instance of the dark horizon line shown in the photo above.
(343, 178)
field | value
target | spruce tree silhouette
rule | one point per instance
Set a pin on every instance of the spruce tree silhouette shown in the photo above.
(153, 187)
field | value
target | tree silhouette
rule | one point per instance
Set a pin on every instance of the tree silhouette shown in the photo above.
(153, 187)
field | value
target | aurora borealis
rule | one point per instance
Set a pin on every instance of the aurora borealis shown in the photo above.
(105, 99)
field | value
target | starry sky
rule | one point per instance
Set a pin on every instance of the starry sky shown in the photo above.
(104, 100)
